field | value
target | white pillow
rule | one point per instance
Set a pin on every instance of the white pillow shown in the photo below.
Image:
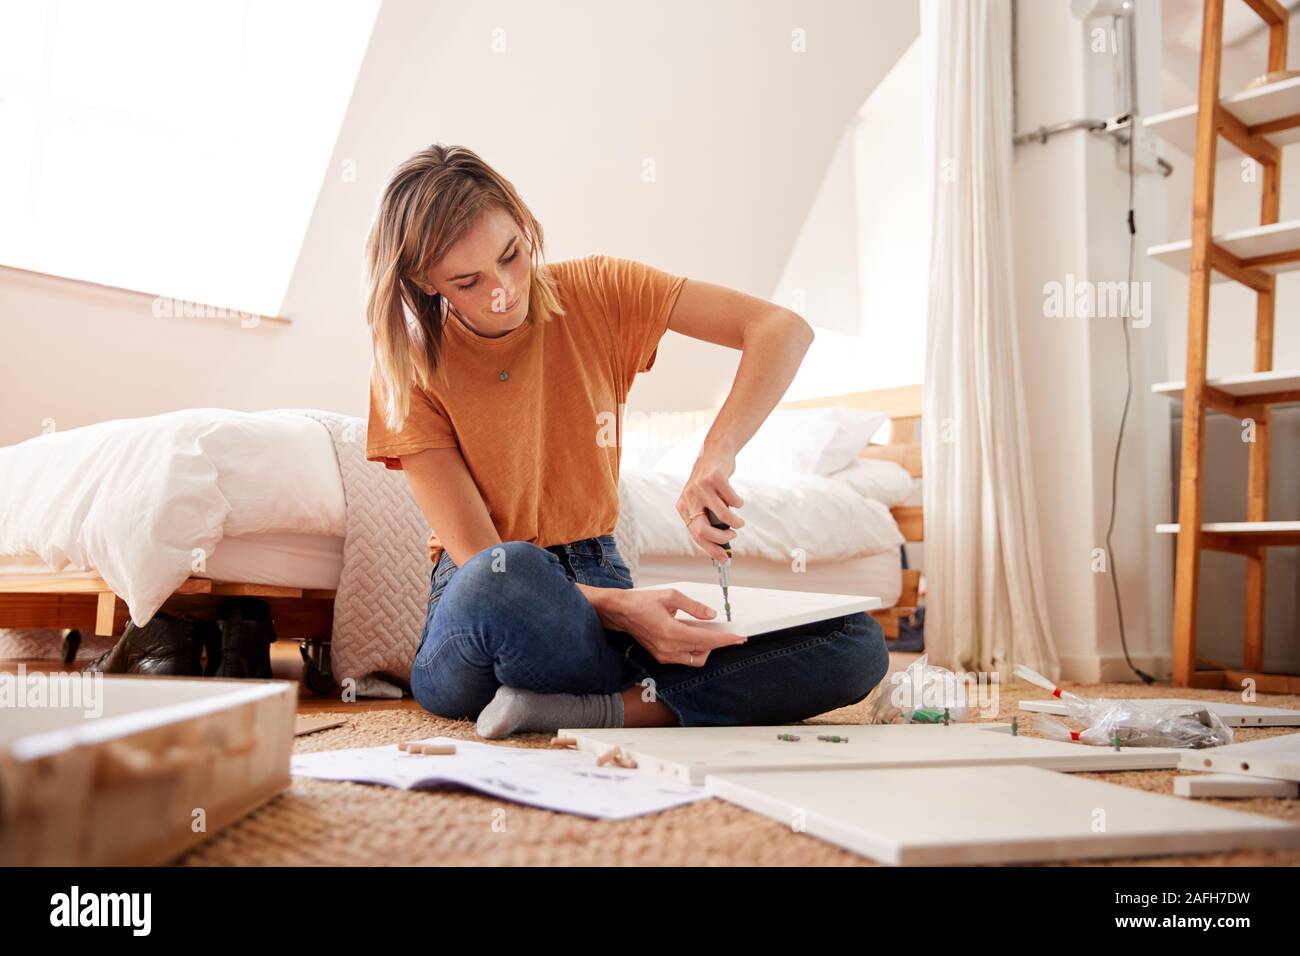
(885, 481)
(790, 443)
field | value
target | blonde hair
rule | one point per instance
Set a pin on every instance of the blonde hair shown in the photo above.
(430, 203)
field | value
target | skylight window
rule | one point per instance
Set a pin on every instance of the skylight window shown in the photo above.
(171, 148)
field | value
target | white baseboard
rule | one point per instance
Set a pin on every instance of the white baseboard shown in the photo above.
(1112, 668)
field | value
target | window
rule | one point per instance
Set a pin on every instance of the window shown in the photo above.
(171, 148)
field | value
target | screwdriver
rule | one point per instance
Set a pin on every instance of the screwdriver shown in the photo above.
(724, 577)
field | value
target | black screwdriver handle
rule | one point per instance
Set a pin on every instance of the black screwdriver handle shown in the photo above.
(720, 525)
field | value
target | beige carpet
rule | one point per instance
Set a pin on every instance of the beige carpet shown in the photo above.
(338, 824)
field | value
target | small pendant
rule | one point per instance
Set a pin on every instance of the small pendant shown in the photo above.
(504, 375)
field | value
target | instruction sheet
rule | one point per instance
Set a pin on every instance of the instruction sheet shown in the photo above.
(567, 781)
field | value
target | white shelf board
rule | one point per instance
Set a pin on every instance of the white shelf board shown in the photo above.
(1239, 386)
(1277, 758)
(1237, 527)
(759, 611)
(688, 754)
(961, 816)
(1253, 107)
(1231, 785)
(1234, 715)
(1242, 243)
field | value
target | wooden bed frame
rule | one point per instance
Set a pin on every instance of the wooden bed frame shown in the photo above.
(89, 604)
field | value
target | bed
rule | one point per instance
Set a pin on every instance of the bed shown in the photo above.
(903, 405)
(868, 564)
(277, 529)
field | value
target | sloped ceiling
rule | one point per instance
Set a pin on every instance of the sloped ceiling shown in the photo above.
(570, 99)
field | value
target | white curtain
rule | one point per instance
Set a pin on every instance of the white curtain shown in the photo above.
(985, 608)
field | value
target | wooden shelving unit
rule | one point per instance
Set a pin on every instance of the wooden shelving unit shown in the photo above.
(1256, 124)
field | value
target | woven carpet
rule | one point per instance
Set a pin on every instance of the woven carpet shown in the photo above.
(336, 824)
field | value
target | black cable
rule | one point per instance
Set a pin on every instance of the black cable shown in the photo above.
(1131, 222)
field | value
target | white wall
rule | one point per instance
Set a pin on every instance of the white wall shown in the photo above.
(859, 271)
(740, 128)
(894, 226)
(1069, 199)
(820, 279)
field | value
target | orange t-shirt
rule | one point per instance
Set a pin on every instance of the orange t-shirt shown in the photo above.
(542, 444)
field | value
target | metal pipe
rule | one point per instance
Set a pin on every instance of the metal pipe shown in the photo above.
(1044, 133)
(1096, 127)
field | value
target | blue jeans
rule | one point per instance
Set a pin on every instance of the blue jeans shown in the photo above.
(512, 615)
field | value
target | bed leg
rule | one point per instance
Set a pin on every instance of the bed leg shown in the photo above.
(105, 613)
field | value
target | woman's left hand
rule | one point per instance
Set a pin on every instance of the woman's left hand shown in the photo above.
(709, 487)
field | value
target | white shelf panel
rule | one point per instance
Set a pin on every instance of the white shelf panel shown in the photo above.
(1242, 243)
(1239, 386)
(1237, 527)
(1253, 107)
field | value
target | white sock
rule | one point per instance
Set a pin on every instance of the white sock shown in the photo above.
(513, 710)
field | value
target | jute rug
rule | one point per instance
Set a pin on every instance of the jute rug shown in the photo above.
(341, 824)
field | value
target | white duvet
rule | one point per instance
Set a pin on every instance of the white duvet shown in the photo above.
(825, 518)
(143, 501)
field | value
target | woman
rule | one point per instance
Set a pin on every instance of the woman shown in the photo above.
(495, 379)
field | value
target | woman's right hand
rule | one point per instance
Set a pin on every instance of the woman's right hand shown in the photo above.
(650, 616)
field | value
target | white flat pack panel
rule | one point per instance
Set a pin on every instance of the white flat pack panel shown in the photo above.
(1275, 757)
(1232, 785)
(762, 610)
(1247, 243)
(954, 816)
(690, 753)
(1234, 715)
